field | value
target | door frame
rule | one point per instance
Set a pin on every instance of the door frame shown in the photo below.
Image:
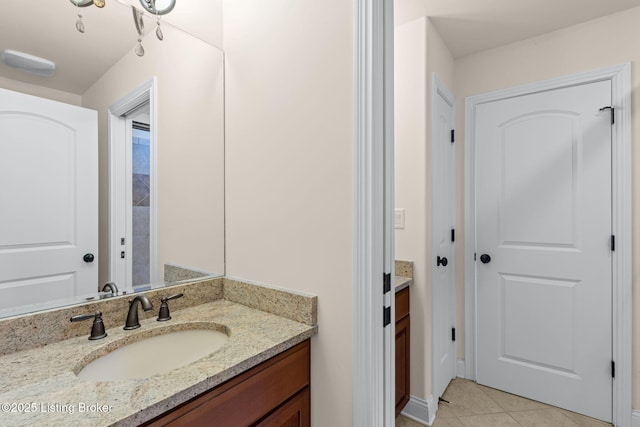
(120, 272)
(620, 77)
(439, 89)
(373, 349)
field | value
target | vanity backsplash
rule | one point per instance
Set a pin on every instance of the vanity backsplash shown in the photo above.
(39, 329)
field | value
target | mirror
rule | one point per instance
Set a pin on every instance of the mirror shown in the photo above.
(97, 69)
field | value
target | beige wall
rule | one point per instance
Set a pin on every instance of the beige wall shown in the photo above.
(202, 19)
(289, 170)
(41, 91)
(600, 43)
(411, 190)
(419, 52)
(190, 145)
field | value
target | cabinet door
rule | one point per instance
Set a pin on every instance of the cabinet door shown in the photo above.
(295, 413)
(402, 363)
(249, 397)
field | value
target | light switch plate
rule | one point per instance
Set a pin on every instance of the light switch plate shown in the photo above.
(399, 218)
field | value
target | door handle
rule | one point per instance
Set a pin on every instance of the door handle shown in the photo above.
(88, 257)
(485, 258)
(442, 261)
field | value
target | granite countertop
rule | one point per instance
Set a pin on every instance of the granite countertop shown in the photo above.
(40, 384)
(402, 282)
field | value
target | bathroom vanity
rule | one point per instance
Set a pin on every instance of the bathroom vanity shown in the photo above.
(404, 278)
(274, 393)
(260, 376)
(403, 358)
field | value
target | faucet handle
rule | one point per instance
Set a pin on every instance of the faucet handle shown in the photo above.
(163, 314)
(97, 329)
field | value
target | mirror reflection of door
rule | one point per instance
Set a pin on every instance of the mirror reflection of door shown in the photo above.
(136, 237)
(140, 197)
(133, 231)
(48, 201)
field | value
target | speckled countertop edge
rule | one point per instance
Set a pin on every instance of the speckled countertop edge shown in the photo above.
(45, 376)
(404, 268)
(404, 274)
(402, 283)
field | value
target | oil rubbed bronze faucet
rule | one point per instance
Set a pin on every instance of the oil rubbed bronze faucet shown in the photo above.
(110, 286)
(97, 329)
(132, 317)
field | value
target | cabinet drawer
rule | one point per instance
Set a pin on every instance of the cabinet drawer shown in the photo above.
(245, 399)
(402, 304)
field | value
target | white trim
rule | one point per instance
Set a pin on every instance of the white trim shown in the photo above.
(420, 410)
(368, 239)
(622, 229)
(116, 181)
(440, 88)
(469, 245)
(119, 272)
(620, 77)
(389, 204)
(635, 418)
(460, 369)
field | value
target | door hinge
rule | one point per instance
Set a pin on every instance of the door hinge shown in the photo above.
(453, 234)
(475, 256)
(387, 316)
(613, 369)
(453, 334)
(386, 286)
(453, 135)
(613, 243)
(613, 113)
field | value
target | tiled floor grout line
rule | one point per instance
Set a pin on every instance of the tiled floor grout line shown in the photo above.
(504, 411)
(491, 405)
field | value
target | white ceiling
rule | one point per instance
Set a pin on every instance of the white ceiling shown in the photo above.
(470, 26)
(46, 28)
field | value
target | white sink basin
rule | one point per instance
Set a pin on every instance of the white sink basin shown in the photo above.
(154, 355)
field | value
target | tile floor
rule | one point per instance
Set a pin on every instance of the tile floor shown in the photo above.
(473, 405)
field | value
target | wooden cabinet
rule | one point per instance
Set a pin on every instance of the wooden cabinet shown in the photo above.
(274, 394)
(294, 413)
(403, 348)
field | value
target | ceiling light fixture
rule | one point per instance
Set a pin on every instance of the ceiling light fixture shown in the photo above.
(158, 7)
(82, 3)
(26, 62)
(154, 7)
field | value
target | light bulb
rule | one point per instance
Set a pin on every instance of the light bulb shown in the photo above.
(98, 3)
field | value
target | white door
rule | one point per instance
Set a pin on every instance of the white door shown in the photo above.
(543, 221)
(48, 199)
(443, 236)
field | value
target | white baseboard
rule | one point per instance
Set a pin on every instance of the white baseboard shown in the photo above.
(635, 418)
(460, 368)
(420, 410)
